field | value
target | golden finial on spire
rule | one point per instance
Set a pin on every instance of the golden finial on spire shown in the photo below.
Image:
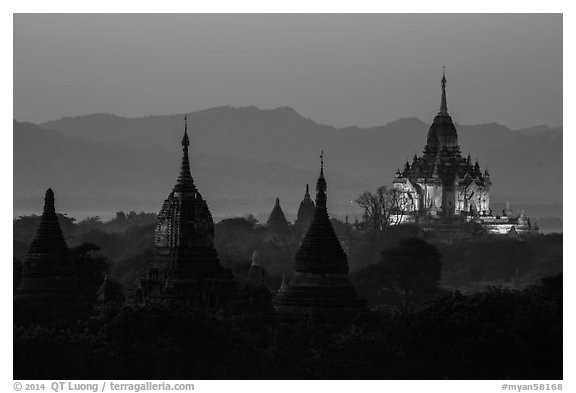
(322, 160)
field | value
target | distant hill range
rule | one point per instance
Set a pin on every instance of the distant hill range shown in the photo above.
(243, 158)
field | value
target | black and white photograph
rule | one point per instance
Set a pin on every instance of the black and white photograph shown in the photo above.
(287, 197)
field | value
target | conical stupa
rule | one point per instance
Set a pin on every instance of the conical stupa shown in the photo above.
(277, 222)
(320, 289)
(48, 286)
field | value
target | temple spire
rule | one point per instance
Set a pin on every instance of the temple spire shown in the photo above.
(443, 105)
(49, 242)
(321, 185)
(185, 181)
(277, 222)
(185, 140)
(305, 213)
(320, 286)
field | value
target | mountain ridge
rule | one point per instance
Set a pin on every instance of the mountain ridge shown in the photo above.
(288, 109)
(234, 149)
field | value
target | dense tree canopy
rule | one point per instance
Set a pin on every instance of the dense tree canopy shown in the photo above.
(492, 334)
(503, 323)
(409, 271)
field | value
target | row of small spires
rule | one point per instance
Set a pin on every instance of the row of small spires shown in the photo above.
(408, 167)
(468, 160)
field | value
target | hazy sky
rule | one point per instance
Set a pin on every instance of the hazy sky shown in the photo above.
(346, 69)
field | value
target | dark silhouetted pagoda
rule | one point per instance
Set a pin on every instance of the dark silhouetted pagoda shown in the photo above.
(277, 222)
(48, 285)
(305, 213)
(185, 266)
(320, 293)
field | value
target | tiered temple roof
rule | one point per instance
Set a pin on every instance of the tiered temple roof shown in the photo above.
(441, 190)
(185, 265)
(320, 292)
(442, 133)
(442, 160)
(445, 168)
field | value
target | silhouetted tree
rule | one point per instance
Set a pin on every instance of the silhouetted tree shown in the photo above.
(90, 223)
(493, 334)
(90, 266)
(379, 208)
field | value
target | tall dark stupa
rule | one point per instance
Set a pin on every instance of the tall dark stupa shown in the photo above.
(48, 286)
(320, 293)
(185, 266)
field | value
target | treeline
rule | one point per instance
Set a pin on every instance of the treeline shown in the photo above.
(123, 243)
(467, 264)
(419, 325)
(492, 334)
